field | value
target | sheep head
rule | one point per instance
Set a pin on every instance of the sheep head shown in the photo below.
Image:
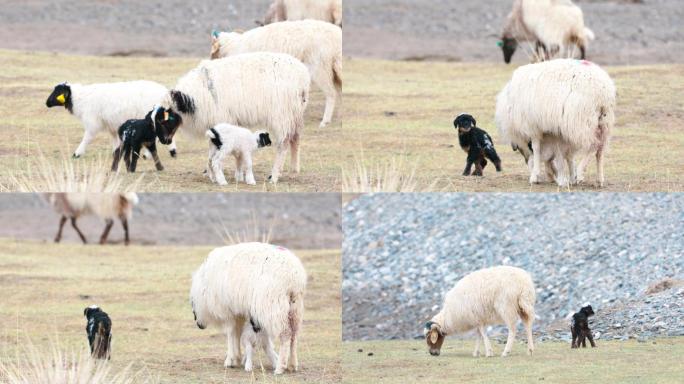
(508, 46)
(60, 97)
(166, 123)
(434, 337)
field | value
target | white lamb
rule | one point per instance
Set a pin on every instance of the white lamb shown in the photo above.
(256, 281)
(106, 106)
(486, 297)
(253, 337)
(570, 100)
(553, 25)
(241, 143)
(270, 90)
(315, 43)
(326, 10)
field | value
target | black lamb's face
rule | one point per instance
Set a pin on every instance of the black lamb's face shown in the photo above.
(166, 122)
(91, 311)
(508, 46)
(464, 123)
(60, 96)
(588, 311)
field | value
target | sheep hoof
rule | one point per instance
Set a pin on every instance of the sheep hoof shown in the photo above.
(323, 124)
(173, 153)
(75, 156)
(279, 371)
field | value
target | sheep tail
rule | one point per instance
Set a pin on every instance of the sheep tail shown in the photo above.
(131, 198)
(589, 34)
(294, 315)
(337, 74)
(526, 307)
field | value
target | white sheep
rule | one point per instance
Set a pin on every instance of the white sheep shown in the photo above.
(253, 337)
(270, 90)
(553, 25)
(107, 206)
(572, 100)
(315, 43)
(486, 297)
(326, 10)
(241, 143)
(106, 106)
(257, 281)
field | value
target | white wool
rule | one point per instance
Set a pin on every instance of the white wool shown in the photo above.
(315, 43)
(326, 10)
(107, 206)
(252, 280)
(106, 106)
(571, 100)
(558, 24)
(269, 90)
(491, 296)
(238, 142)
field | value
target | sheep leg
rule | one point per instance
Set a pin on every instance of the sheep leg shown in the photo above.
(474, 156)
(583, 52)
(248, 357)
(491, 154)
(247, 169)
(124, 224)
(510, 340)
(573, 345)
(62, 220)
(172, 148)
(599, 167)
(476, 352)
(73, 224)
(485, 340)
(530, 338)
(584, 340)
(239, 174)
(284, 353)
(591, 339)
(270, 351)
(278, 162)
(155, 156)
(116, 160)
(294, 152)
(536, 161)
(217, 171)
(105, 234)
(233, 344)
(134, 158)
(324, 80)
(293, 364)
(467, 170)
(88, 137)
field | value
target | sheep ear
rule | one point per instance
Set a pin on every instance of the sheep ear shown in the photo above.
(215, 34)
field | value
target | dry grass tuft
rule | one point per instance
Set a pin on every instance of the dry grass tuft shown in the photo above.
(254, 231)
(56, 366)
(389, 176)
(67, 175)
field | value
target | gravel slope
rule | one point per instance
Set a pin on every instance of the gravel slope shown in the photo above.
(402, 253)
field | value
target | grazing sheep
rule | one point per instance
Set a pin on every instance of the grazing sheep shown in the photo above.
(106, 106)
(315, 43)
(255, 281)
(99, 331)
(326, 10)
(579, 328)
(552, 25)
(251, 89)
(486, 297)
(107, 206)
(136, 134)
(477, 144)
(253, 337)
(570, 100)
(226, 139)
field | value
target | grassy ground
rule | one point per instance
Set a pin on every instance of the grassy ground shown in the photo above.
(610, 362)
(405, 110)
(30, 128)
(145, 291)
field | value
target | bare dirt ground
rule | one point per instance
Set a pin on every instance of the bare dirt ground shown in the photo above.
(298, 221)
(467, 30)
(123, 27)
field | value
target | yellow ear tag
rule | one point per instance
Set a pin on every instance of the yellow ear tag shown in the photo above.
(166, 115)
(61, 98)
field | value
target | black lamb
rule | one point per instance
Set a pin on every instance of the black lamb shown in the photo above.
(580, 328)
(477, 144)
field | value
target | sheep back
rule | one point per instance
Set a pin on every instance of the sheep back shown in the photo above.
(572, 99)
(486, 297)
(260, 280)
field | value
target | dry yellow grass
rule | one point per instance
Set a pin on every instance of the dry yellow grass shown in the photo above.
(145, 291)
(30, 128)
(407, 108)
